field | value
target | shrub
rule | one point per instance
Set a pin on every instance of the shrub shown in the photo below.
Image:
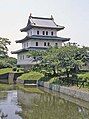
(17, 70)
(14, 69)
(84, 75)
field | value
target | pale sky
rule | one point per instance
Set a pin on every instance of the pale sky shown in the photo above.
(73, 14)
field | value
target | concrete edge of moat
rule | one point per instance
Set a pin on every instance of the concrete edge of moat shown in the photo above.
(83, 95)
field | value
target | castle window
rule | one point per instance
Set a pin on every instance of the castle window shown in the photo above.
(37, 32)
(46, 32)
(44, 43)
(43, 32)
(52, 33)
(27, 44)
(36, 43)
(20, 57)
(48, 44)
(24, 45)
(23, 57)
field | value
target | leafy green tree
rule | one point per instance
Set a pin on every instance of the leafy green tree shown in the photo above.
(5, 60)
(69, 57)
(35, 54)
(3, 46)
(50, 60)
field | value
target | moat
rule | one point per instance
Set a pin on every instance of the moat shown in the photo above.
(17, 104)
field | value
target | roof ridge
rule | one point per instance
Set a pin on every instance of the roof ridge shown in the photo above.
(42, 18)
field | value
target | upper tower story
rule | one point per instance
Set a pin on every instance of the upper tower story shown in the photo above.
(41, 26)
(41, 34)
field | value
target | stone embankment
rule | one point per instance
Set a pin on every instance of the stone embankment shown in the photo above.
(9, 78)
(66, 90)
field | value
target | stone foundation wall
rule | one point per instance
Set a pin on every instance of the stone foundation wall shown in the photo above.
(75, 93)
(10, 78)
(66, 90)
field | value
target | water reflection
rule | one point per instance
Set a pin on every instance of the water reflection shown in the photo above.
(47, 105)
(51, 106)
(9, 105)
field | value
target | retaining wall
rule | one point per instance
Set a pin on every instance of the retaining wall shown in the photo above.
(4, 78)
(9, 77)
(66, 90)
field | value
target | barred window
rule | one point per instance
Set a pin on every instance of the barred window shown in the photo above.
(52, 33)
(43, 32)
(46, 32)
(44, 43)
(36, 43)
(37, 32)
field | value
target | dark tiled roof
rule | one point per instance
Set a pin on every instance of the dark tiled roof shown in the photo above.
(19, 51)
(40, 22)
(41, 37)
(28, 49)
(41, 18)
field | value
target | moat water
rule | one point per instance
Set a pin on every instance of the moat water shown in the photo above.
(17, 104)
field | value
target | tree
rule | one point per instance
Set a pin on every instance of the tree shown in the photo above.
(35, 54)
(5, 60)
(3, 46)
(69, 57)
(50, 60)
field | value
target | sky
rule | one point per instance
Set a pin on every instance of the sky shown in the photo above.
(73, 14)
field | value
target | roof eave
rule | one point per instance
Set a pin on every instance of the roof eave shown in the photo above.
(57, 28)
(32, 26)
(67, 39)
(42, 18)
(19, 51)
(27, 38)
(28, 27)
(19, 41)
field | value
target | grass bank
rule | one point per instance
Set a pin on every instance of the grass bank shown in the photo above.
(5, 70)
(8, 70)
(31, 76)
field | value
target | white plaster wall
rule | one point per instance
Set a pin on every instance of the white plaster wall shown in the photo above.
(29, 32)
(26, 60)
(24, 44)
(32, 43)
(41, 43)
(34, 31)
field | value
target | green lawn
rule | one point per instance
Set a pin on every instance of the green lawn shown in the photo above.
(31, 76)
(5, 70)
(8, 70)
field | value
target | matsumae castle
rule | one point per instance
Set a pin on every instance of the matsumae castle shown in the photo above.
(41, 33)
